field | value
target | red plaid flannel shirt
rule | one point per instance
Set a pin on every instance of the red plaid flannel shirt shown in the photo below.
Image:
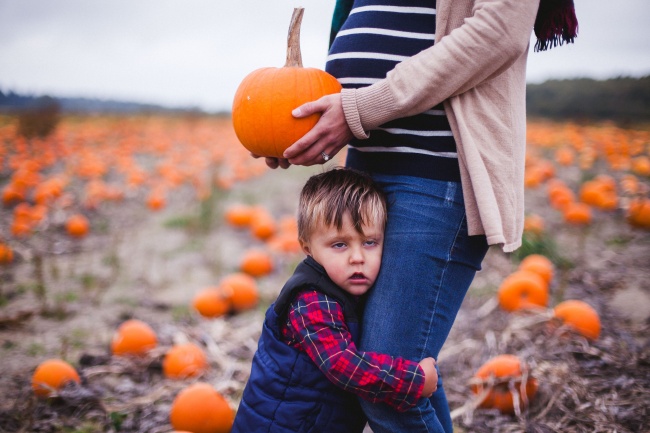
(316, 326)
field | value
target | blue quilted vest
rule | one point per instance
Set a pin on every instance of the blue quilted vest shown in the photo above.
(286, 392)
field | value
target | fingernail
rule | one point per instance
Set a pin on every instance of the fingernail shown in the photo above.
(296, 112)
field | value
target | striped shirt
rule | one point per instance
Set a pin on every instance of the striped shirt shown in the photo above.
(377, 35)
(316, 325)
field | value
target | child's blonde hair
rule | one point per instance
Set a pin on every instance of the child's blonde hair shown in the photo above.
(327, 196)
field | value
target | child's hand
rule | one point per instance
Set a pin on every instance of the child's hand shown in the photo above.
(430, 376)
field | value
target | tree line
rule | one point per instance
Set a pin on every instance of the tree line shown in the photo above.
(624, 100)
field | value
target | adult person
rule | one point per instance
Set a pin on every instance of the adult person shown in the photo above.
(433, 107)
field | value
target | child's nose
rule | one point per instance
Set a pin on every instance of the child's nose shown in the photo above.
(356, 255)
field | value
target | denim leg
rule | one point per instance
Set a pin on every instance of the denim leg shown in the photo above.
(428, 264)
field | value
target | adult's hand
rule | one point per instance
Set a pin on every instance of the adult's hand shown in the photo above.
(329, 135)
(274, 162)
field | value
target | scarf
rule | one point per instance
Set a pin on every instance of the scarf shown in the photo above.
(555, 24)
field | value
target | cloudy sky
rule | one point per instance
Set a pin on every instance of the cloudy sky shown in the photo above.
(196, 52)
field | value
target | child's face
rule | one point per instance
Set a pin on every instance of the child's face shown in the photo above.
(351, 259)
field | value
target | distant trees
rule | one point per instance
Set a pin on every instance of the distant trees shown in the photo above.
(623, 100)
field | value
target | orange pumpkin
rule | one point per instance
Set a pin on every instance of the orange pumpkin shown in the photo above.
(263, 226)
(52, 375)
(156, 199)
(261, 110)
(579, 316)
(600, 192)
(539, 264)
(534, 224)
(184, 360)
(77, 225)
(6, 253)
(577, 213)
(239, 215)
(492, 380)
(13, 193)
(564, 156)
(559, 194)
(638, 214)
(211, 302)
(200, 408)
(641, 165)
(133, 337)
(522, 289)
(241, 290)
(256, 262)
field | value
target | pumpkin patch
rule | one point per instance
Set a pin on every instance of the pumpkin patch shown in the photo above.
(568, 302)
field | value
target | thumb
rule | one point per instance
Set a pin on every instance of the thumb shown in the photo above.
(307, 109)
(304, 110)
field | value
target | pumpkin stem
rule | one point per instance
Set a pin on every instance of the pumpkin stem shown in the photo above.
(294, 57)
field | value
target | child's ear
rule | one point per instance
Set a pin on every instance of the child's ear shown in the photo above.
(305, 247)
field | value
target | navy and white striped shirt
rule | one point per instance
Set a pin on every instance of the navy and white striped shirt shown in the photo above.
(377, 35)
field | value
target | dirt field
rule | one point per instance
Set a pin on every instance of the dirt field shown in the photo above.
(66, 299)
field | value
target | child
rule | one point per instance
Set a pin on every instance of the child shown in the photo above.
(307, 369)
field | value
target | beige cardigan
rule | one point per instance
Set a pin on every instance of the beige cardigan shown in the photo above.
(478, 68)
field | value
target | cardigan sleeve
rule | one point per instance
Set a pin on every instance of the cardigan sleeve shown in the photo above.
(495, 34)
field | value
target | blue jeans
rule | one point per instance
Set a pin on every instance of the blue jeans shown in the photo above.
(428, 264)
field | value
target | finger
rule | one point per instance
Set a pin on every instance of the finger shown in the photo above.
(272, 162)
(312, 156)
(302, 145)
(309, 108)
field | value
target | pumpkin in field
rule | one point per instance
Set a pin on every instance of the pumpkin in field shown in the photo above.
(12, 193)
(579, 316)
(600, 192)
(539, 264)
(212, 302)
(133, 337)
(156, 200)
(200, 408)
(577, 213)
(263, 225)
(256, 262)
(638, 213)
(239, 215)
(559, 194)
(641, 165)
(241, 290)
(77, 225)
(6, 253)
(184, 360)
(261, 110)
(52, 375)
(492, 382)
(534, 224)
(523, 289)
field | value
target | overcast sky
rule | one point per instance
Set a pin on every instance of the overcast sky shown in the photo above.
(196, 52)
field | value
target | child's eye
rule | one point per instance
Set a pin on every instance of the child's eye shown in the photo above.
(338, 245)
(370, 243)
